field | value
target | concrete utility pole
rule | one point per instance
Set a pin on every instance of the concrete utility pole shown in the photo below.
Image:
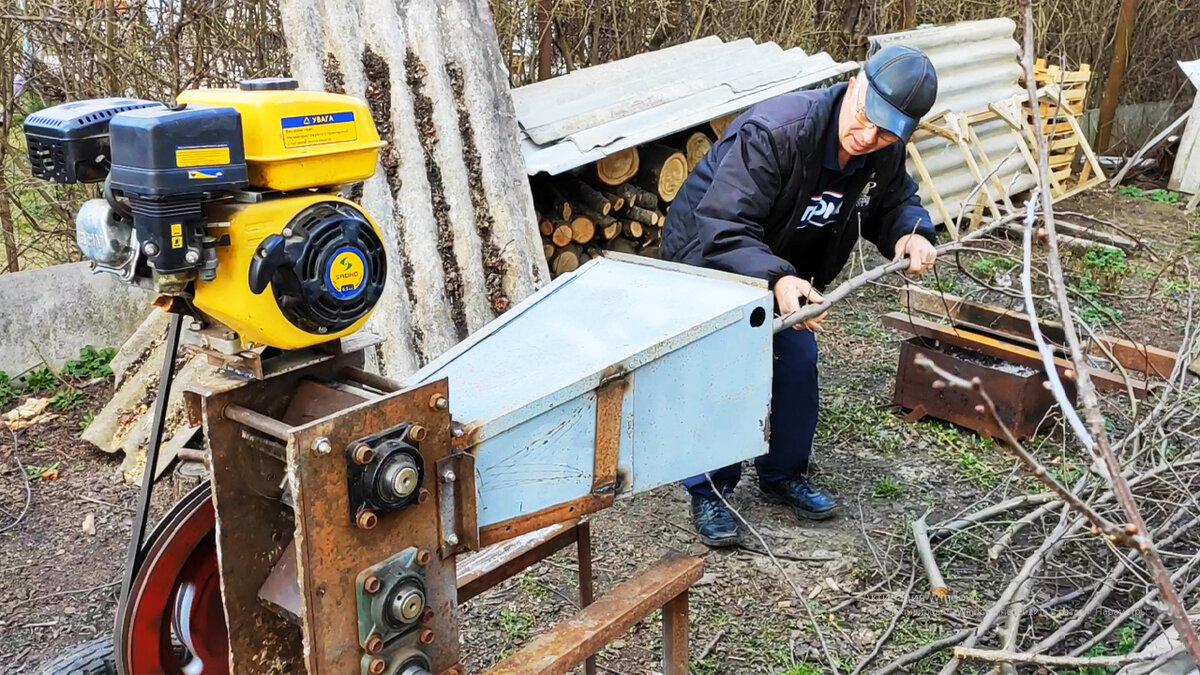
(451, 192)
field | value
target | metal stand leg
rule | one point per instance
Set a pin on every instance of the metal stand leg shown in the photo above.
(584, 545)
(133, 560)
(675, 635)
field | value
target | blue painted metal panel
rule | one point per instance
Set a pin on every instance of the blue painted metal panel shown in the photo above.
(701, 408)
(698, 381)
(541, 462)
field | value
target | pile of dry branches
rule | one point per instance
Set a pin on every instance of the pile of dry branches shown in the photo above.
(1106, 560)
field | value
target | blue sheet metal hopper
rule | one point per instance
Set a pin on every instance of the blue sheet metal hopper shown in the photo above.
(625, 375)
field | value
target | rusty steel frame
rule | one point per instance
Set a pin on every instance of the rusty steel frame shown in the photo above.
(664, 586)
(288, 553)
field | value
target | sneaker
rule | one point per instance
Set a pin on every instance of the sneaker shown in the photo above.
(713, 522)
(805, 498)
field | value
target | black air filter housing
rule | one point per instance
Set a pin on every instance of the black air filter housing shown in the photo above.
(69, 143)
(160, 152)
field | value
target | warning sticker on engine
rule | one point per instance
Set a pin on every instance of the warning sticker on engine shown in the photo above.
(346, 276)
(201, 155)
(309, 130)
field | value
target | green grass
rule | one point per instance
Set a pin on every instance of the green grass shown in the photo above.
(987, 266)
(943, 285)
(8, 389)
(887, 488)
(87, 420)
(64, 400)
(516, 626)
(975, 470)
(532, 586)
(1126, 640)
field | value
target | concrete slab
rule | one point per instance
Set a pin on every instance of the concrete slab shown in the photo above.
(50, 313)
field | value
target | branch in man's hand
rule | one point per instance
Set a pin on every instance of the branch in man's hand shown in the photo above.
(850, 285)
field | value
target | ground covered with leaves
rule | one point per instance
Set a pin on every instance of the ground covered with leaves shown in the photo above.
(834, 590)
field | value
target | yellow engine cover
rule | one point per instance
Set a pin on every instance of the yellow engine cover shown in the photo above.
(258, 318)
(300, 139)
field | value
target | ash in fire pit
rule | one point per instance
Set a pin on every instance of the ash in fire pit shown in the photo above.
(989, 361)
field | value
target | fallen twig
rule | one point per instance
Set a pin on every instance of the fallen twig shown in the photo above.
(711, 643)
(990, 512)
(918, 654)
(28, 488)
(937, 585)
(1135, 533)
(1042, 660)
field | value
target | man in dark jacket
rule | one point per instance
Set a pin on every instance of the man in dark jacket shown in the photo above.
(784, 196)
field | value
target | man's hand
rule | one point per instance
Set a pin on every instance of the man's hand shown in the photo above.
(788, 292)
(921, 254)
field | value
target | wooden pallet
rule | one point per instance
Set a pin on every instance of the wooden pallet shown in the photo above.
(1060, 122)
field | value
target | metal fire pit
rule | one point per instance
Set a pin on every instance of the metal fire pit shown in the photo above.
(1022, 400)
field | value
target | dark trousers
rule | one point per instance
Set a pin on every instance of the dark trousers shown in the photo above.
(794, 400)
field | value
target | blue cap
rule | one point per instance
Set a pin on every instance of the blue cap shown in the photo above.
(903, 86)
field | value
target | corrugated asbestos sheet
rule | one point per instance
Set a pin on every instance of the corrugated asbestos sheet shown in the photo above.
(450, 195)
(977, 63)
(575, 119)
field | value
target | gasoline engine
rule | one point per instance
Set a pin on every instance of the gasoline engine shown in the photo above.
(228, 201)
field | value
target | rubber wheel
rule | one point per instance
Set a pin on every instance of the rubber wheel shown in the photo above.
(90, 658)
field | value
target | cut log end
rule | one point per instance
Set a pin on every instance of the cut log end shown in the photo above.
(698, 145)
(618, 167)
(562, 235)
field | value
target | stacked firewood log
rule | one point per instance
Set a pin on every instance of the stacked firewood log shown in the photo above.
(618, 203)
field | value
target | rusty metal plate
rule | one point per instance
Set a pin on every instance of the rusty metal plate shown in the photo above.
(559, 513)
(254, 525)
(609, 399)
(457, 513)
(332, 550)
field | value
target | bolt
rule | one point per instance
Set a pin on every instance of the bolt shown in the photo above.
(423, 557)
(452, 539)
(377, 666)
(363, 454)
(438, 402)
(457, 432)
(448, 476)
(366, 519)
(322, 446)
(374, 643)
(427, 616)
(191, 257)
(287, 231)
(372, 584)
(150, 248)
(229, 335)
(422, 496)
(417, 433)
(426, 637)
(322, 329)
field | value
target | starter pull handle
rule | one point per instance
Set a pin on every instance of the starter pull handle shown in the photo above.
(267, 259)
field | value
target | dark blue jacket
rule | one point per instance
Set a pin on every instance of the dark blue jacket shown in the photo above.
(742, 209)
